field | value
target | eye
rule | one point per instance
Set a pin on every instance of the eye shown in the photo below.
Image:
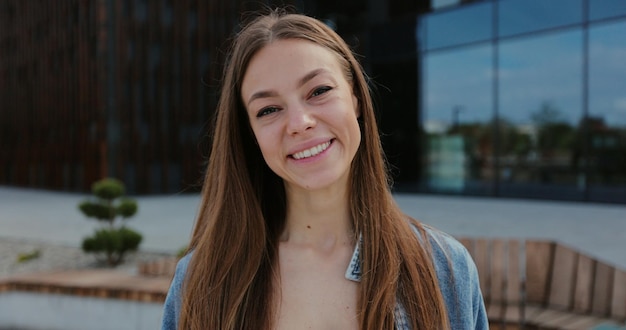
(266, 111)
(320, 90)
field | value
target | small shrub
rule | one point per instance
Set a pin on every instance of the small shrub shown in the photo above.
(113, 244)
(113, 241)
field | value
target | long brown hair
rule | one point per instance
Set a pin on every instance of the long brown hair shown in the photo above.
(231, 276)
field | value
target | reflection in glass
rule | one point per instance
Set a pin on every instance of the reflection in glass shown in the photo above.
(463, 25)
(521, 16)
(437, 4)
(607, 111)
(457, 111)
(599, 9)
(540, 109)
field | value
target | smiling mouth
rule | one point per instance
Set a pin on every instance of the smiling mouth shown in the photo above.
(311, 151)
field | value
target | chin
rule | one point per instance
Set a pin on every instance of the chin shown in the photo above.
(321, 184)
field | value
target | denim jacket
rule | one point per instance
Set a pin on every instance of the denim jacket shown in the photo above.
(456, 272)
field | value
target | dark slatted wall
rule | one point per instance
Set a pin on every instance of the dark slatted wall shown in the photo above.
(122, 88)
(51, 128)
(167, 70)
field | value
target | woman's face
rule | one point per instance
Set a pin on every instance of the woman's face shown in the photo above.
(303, 113)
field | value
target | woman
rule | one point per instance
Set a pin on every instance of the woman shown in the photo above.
(297, 226)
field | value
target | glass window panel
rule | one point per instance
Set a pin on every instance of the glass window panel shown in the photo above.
(466, 24)
(599, 9)
(437, 4)
(607, 112)
(521, 16)
(457, 111)
(540, 107)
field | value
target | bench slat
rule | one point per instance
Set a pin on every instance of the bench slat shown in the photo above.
(562, 283)
(618, 303)
(584, 284)
(481, 258)
(514, 282)
(514, 286)
(602, 286)
(539, 256)
(497, 271)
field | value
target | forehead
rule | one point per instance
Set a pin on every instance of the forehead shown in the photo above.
(285, 61)
(304, 50)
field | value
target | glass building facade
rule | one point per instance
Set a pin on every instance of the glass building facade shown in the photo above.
(523, 98)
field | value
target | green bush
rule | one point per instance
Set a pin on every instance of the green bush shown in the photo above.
(113, 241)
(127, 208)
(108, 188)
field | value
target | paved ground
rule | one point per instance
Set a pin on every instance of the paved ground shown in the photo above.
(166, 221)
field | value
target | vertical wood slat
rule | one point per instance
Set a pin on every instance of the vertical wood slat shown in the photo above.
(514, 285)
(514, 281)
(618, 302)
(602, 287)
(481, 258)
(563, 279)
(584, 284)
(497, 270)
(539, 256)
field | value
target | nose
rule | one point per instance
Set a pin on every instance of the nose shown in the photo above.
(300, 120)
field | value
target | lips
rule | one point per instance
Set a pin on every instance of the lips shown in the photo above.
(311, 151)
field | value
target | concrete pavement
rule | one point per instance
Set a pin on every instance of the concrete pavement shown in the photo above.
(166, 222)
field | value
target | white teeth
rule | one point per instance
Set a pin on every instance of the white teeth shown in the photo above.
(312, 151)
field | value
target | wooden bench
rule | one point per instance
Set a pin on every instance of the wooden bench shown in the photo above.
(526, 284)
(533, 284)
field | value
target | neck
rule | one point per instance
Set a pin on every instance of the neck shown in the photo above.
(318, 219)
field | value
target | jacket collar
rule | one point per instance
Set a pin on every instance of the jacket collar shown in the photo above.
(353, 273)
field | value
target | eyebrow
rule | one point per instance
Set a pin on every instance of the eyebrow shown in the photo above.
(302, 81)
